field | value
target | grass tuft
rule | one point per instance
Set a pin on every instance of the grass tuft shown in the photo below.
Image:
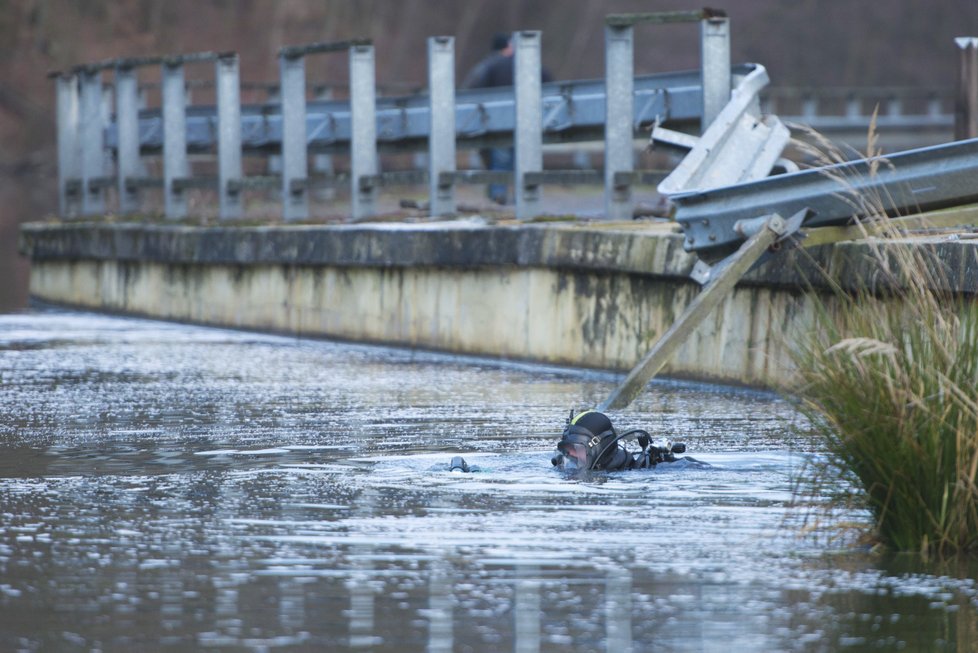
(888, 378)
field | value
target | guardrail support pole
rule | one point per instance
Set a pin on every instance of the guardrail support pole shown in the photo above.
(228, 135)
(529, 121)
(363, 142)
(295, 196)
(66, 89)
(619, 61)
(127, 130)
(441, 129)
(92, 143)
(715, 60)
(966, 104)
(175, 163)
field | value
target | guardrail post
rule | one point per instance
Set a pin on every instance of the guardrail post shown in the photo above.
(809, 107)
(175, 163)
(715, 60)
(127, 131)
(228, 135)
(894, 106)
(966, 104)
(619, 156)
(295, 197)
(66, 89)
(92, 143)
(529, 121)
(441, 114)
(854, 107)
(363, 124)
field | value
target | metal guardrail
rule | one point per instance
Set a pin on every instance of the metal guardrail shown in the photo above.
(526, 115)
(907, 182)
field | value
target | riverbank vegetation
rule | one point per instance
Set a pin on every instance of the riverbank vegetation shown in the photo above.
(888, 379)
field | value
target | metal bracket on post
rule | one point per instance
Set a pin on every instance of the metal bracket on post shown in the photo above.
(529, 121)
(228, 135)
(441, 115)
(175, 163)
(127, 134)
(66, 89)
(619, 118)
(711, 295)
(92, 143)
(295, 198)
(715, 62)
(363, 119)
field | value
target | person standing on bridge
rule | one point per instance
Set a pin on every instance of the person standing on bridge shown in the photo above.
(497, 69)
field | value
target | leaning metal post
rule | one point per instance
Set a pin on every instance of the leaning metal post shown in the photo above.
(66, 88)
(441, 116)
(363, 123)
(619, 117)
(966, 103)
(228, 135)
(295, 199)
(92, 143)
(710, 296)
(127, 137)
(715, 62)
(175, 163)
(529, 118)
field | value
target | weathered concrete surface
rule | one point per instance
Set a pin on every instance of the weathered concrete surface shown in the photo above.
(593, 296)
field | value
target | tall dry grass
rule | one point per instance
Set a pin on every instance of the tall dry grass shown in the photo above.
(889, 377)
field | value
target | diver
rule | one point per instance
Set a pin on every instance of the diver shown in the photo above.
(590, 442)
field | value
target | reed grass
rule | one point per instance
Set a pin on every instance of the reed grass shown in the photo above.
(888, 378)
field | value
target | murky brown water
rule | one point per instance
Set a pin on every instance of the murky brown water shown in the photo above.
(173, 487)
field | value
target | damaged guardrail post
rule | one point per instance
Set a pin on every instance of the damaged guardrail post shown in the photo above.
(966, 103)
(363, 127)
(619, 118)
(292, 74)
(528, 136)
(92, 142)
(66, 98)
(228, 135)
(127, 136)
(735, 267)
(715, 63)
(175, 163)
(441, 129)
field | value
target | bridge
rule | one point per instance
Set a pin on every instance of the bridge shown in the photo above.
(108, 138)
(735, 195)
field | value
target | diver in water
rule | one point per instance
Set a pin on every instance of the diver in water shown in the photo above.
(591, 442)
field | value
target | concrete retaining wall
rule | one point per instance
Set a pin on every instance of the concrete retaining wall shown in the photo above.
(596, 297)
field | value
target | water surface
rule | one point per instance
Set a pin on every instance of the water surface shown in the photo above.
(172, 487)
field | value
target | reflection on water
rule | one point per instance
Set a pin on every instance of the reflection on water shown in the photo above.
(170, 486)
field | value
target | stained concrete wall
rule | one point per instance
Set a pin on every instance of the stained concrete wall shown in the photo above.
(595, 297)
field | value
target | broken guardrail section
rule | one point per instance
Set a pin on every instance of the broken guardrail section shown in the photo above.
(739, 145)
(908, 182)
